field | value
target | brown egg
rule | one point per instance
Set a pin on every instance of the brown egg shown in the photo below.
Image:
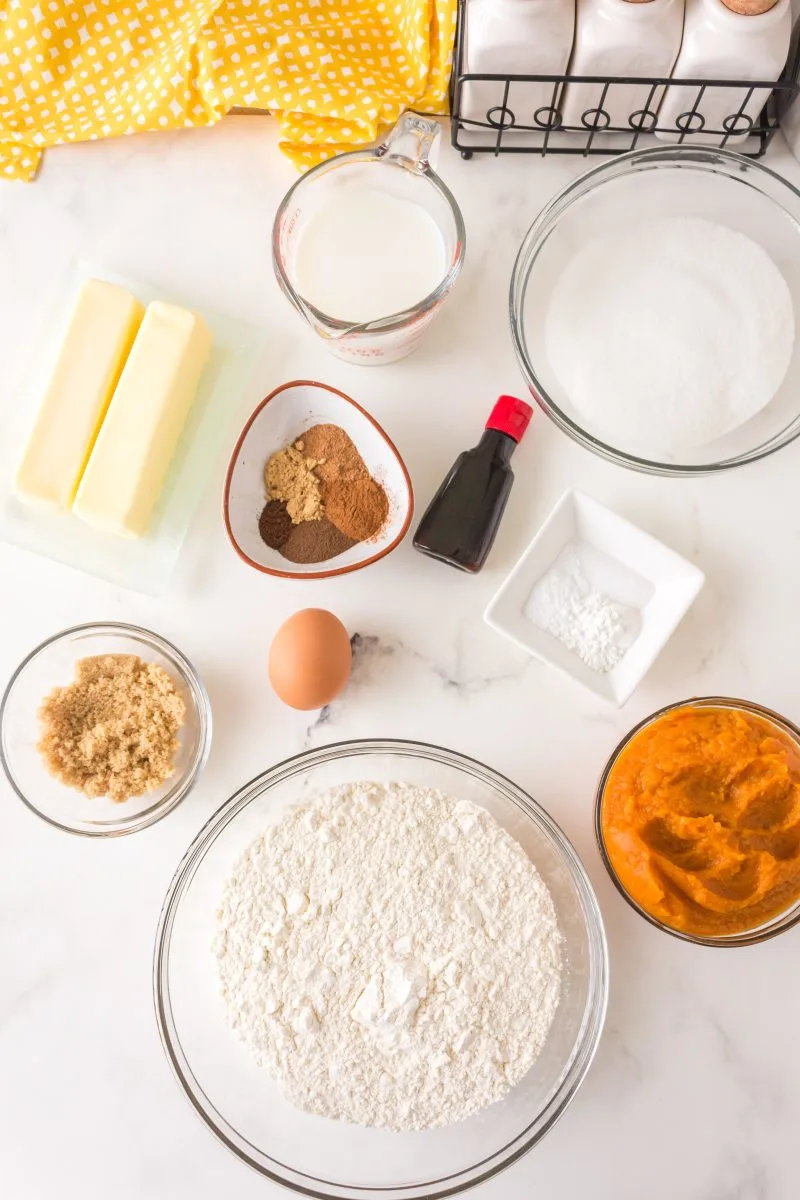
(309, 659)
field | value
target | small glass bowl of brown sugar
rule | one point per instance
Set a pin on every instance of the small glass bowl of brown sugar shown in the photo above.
(104, 729)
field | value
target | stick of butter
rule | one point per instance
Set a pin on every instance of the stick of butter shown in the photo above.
(91, 358)
(127, 468)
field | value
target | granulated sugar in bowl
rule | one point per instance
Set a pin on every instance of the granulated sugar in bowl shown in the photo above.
(672, 334)
(653, 305)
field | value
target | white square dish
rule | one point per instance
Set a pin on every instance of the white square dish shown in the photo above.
(143, 564)
(622, 561)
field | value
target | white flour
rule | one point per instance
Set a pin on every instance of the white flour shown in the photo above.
(390, 955)
(670, 333)
(587, 622)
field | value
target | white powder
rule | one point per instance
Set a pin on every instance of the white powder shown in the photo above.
(588, 623)
(670, 333)
(390, 955)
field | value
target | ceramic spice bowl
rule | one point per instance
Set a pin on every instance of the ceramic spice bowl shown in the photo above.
(278, 420)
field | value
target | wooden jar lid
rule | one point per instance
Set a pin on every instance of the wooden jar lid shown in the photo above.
(750, 8)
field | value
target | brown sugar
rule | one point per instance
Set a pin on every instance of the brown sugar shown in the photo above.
(114, 731)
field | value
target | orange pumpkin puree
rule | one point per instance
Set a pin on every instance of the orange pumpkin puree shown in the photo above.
(701, 820)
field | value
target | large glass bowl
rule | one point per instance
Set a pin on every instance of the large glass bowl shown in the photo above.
(238, 1100)
(746, 937)
(716, 185)
(52, 664)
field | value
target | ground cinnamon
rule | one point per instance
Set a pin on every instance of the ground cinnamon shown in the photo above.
(353, 501)
(359, 508)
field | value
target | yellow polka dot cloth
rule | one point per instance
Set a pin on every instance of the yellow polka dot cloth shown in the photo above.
(334, 72)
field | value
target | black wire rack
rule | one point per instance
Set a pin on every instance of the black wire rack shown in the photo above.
(504, 131)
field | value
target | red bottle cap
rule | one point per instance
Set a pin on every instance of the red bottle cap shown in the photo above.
(511, 416)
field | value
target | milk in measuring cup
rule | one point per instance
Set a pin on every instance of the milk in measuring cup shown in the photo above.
(367, 255)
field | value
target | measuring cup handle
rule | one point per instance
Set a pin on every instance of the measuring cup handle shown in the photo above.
(412, 142)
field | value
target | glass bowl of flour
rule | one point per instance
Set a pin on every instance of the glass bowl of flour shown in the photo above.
(654, 303)
(380, 969)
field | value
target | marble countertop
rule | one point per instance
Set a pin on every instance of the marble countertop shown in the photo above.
(695, 1091)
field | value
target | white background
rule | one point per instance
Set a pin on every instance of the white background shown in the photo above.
(695, 1091)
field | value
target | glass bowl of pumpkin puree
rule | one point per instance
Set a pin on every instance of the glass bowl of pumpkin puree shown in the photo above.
(698, 821)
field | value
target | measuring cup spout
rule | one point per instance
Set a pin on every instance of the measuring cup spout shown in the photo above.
(418, 209)
(330, 330)
(411, 143)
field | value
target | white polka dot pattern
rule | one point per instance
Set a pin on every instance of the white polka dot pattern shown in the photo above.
(334, 72)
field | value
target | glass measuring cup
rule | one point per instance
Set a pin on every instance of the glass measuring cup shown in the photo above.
(401, 167)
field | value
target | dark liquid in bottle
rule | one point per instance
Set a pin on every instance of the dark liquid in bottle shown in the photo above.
(462, 520)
